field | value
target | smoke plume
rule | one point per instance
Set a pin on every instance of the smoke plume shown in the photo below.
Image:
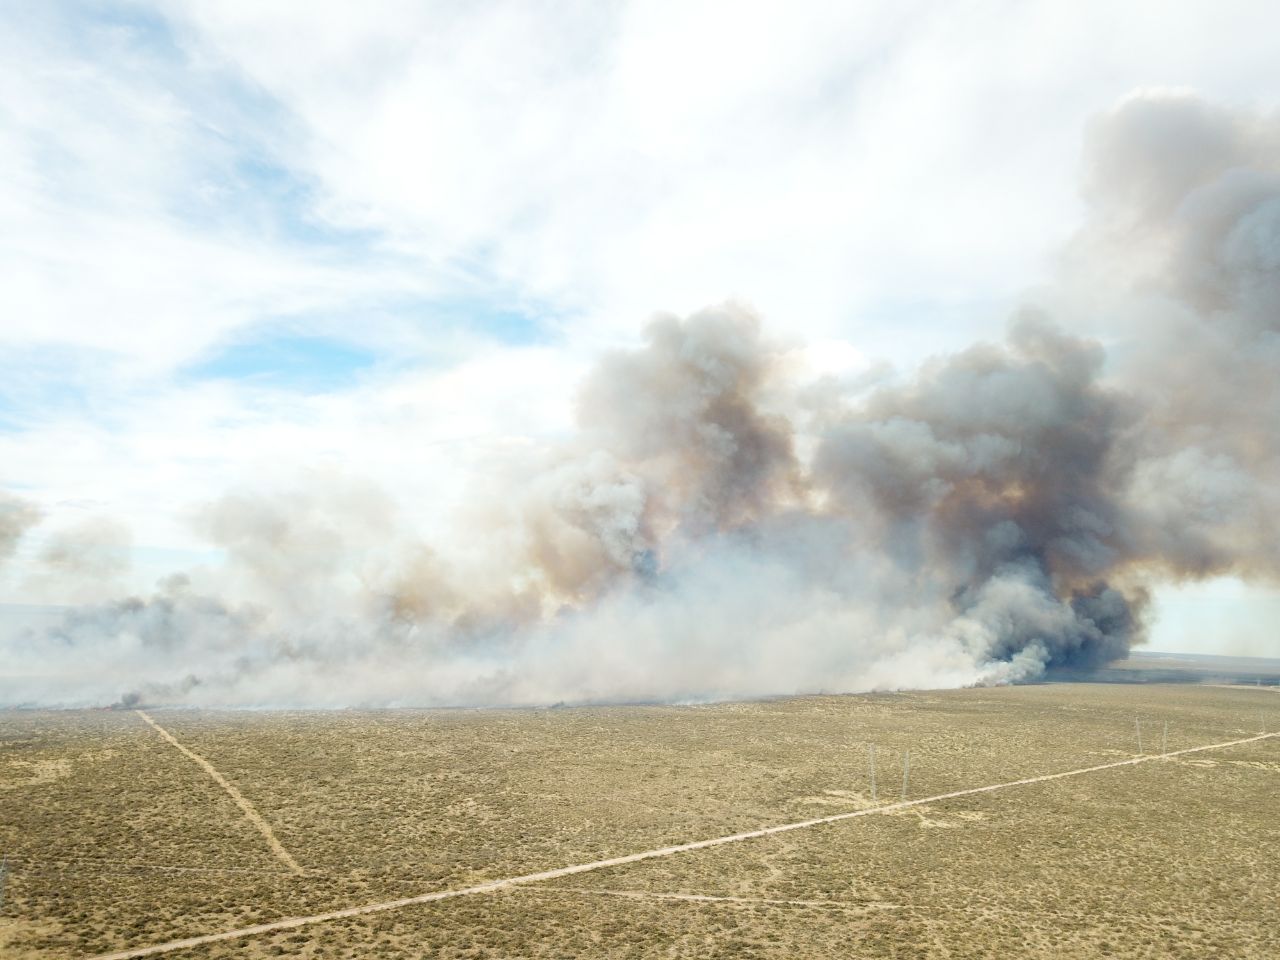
(722, 525)
(16, 517)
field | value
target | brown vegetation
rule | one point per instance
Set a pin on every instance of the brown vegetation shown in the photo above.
(116, 840)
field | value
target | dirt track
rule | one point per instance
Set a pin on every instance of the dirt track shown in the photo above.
(245, 806)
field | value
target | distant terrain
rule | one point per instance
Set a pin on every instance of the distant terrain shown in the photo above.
(1150, 666)
(121, 834)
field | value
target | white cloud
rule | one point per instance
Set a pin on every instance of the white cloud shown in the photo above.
(165, 449)
(837, 165)
(130, 226)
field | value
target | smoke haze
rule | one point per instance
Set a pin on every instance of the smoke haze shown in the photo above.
(16, 517)
(723, 524)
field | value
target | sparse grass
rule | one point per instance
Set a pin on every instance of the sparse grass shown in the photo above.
(1174, 858)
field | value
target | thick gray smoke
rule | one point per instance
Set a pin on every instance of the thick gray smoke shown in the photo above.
(1184, 253)
(721, 527)
(993, 477)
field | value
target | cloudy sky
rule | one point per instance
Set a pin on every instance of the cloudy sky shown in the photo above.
(244, 241)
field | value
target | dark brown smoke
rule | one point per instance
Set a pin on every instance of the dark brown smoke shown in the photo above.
(687, 411)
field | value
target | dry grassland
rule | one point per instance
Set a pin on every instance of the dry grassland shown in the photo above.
(117, 840)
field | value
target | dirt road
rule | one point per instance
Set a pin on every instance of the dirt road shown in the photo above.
(245, 806)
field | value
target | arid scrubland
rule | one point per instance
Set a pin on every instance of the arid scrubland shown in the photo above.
(116, 840)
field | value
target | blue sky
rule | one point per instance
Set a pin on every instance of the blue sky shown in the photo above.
(242, 236)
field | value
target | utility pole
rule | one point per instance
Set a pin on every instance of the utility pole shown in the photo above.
(873, 773)
(906, 770)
